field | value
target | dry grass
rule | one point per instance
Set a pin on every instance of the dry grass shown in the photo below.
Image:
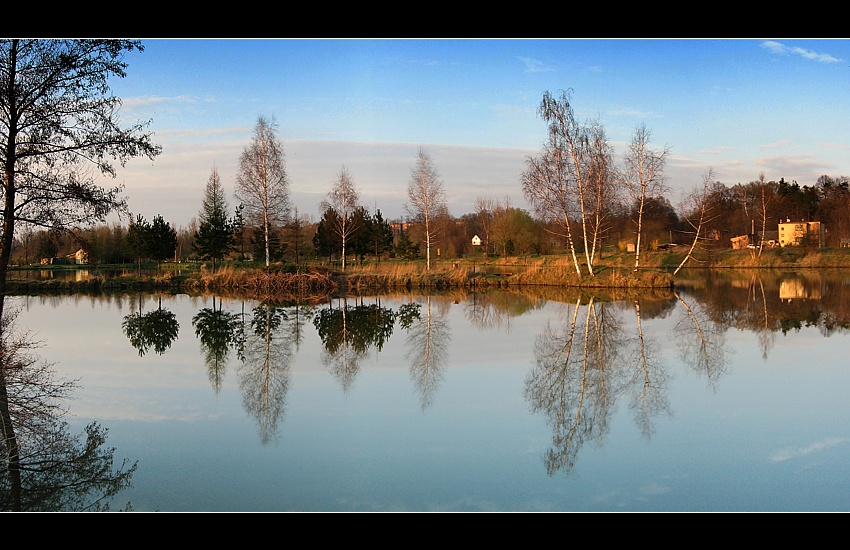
(403, 275)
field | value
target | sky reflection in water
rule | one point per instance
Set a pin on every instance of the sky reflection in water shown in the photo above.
(493, 423)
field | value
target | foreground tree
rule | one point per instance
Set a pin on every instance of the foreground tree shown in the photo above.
(326, 240)
(58, 120)
(343, 199)
(427, 199)
(262, 184)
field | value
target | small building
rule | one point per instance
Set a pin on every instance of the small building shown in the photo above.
(476, 241)
(740, 242)
(799, 233)
(80, 257)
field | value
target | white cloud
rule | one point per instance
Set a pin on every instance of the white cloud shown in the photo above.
(535, 65)
(781, 49)
(776, 144)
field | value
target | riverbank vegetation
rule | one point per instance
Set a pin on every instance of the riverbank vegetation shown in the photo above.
(318, 278)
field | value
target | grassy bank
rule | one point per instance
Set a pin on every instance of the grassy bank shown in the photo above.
(611, 271)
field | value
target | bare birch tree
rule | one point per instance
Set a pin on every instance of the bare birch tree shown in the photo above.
(698, 208)
(644, 175)
(344, 199)
(484, 207)
(262, 184)
(601, 191)
(762, 186)
(567, 182)
(427, 199)
(547, 189)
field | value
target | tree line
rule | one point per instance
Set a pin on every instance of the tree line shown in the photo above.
(504, 229)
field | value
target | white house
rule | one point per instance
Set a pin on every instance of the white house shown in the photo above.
(476, 241)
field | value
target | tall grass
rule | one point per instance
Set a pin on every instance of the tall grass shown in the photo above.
(402, 275)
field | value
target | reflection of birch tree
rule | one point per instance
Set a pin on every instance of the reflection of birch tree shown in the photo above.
(648, 380)
(488, 310)
(758, 315)
(265, 373)
(573, 382)
(701, 341)
(427, 343)
(44, 468)
(298, 315)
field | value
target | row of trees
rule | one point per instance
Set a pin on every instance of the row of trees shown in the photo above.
(505, 230)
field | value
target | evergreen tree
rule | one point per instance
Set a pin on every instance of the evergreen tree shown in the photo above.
(405, 248)
(215, 237)
(326, 240)
(380, 234)
(361, 237)
(136, 239)
(239, 231)
(161, 240)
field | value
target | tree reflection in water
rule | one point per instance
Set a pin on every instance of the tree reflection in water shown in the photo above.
(701, 341)
(45, 468)
(648, 380)
(427, 342)
(157, 329)
(770, 302)
(265, 373)
(348, 332)
(582, 368)
(218, 331)
(487, 310)
(572, 381)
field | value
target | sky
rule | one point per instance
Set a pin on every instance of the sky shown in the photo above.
(737, 107)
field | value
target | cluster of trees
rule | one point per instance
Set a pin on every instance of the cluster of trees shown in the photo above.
(155, 240)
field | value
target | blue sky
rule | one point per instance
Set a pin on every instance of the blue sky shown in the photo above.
(740, 107)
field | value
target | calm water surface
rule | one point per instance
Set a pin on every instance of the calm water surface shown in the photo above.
(729, 394)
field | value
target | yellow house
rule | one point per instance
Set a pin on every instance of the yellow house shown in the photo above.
(796, 233)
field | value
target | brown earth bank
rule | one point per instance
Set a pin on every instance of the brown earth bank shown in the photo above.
(656, 270)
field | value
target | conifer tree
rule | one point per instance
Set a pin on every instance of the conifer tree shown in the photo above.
(215, 237)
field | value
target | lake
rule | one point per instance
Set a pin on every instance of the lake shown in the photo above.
(728, 394)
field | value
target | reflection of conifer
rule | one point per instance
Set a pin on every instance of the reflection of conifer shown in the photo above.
(217, 331)
(157, 329)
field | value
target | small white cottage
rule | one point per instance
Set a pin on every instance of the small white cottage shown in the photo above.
(476, 241)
